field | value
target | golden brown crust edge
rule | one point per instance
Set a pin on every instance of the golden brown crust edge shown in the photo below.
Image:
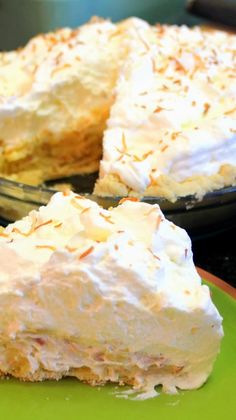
(111, 185)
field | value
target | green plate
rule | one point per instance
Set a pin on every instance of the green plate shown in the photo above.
(69, 399)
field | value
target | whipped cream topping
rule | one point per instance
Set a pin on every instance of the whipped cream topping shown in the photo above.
(123, 277)
(175, 108)
(61, 78)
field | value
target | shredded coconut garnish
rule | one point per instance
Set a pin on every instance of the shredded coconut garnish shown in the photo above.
(86, 253)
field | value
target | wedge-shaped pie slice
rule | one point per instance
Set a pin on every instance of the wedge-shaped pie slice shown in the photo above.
(104, 296)
(55, 97)
(172, 128)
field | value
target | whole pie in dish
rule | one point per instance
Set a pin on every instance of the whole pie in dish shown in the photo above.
(159, 100)
(104, 296)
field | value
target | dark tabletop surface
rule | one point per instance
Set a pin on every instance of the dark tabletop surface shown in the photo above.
(217, 254)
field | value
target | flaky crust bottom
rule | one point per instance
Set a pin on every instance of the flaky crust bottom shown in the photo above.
(84, 374)
(166, 187)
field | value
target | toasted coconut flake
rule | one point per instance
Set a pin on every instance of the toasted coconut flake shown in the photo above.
(158, 109)
(58, 69)
(107, 218)
(70, 248)
(86, 253)
(154, 67)
(124, 142)
(160, 28)
(178, 65)
(43, 224)
(117, 32)
(163, 69)
(80, 43)
(58, 225)
(164, 148)
(76, 204)
(137, 158)
(4, 235)
(143, 157)
(58, 57)
(154, 255)
(159, 220)
(16, 230)
(123, 151)
(164, 87)
(230, 111)
(147, 46)
(175, 134)
(66, 193)
(84, 210)
(128, 199)
(120, 157)
(153, 180)
(199, 62)
(51, 247)
(79, 197)
(206, 108)
(153, 209)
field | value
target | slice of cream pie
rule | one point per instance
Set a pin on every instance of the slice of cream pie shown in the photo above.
(172, 128)
(55, 97)
(104, 295)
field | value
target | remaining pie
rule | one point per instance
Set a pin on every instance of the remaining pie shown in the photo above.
(165, 96)
(104, 295)
(172, 128)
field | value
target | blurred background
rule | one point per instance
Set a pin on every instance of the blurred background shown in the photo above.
(21, 19)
